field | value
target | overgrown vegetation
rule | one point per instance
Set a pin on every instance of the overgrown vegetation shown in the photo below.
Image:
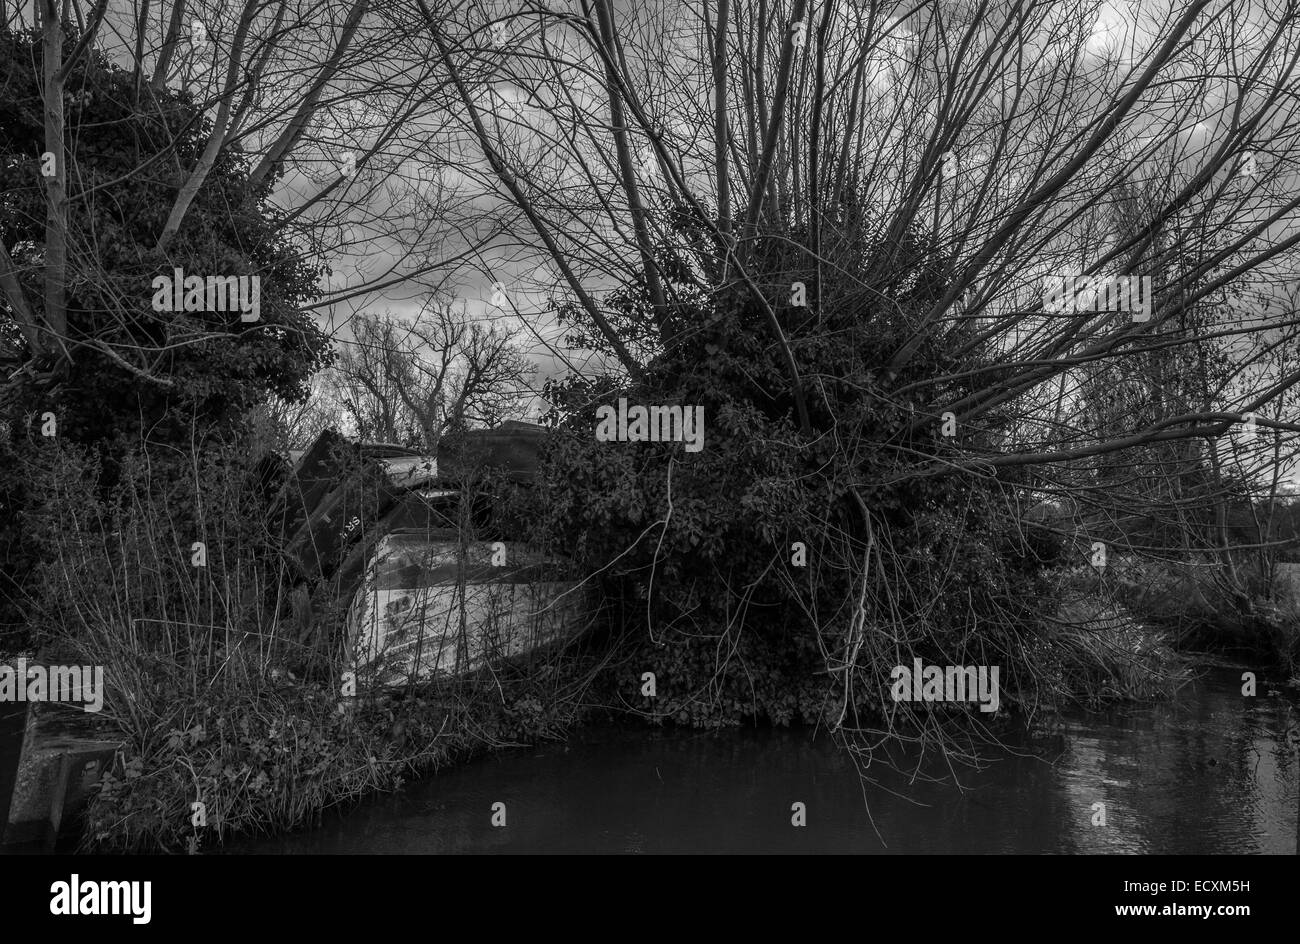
(898, 564)
(211, 367)
(830, 530)
(199, 684)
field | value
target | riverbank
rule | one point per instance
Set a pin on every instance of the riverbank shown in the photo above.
(1266, 724)
(247, 755)
(1205, 773)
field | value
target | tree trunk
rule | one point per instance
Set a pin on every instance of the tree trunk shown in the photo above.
(56, 207)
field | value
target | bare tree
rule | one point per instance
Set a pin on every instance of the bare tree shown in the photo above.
(932, 167)
(334, 109)
(283, 426)
(1007, 131)
(411, 382)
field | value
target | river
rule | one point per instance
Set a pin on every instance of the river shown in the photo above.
(1210, 772)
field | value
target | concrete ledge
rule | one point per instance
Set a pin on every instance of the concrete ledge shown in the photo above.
(62, 758)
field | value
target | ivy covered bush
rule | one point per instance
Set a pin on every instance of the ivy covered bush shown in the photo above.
(781, 571)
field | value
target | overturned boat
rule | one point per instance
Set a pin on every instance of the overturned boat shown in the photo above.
(395, 538)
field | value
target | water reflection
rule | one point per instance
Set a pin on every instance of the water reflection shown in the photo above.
(1211, 773)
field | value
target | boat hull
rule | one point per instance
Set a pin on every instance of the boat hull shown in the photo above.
(433, 609)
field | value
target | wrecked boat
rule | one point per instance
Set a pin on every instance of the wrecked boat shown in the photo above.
(391, 533)
(433, 606)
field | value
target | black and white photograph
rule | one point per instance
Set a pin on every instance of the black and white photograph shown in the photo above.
(674, 427)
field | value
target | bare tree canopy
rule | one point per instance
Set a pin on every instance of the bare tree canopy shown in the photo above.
(411, 382)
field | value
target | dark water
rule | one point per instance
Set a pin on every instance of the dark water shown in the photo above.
(1213, 772)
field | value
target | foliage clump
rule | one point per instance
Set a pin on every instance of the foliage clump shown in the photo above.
(903, 561)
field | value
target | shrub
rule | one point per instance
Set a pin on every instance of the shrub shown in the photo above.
(901, 562)
(196, 660)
